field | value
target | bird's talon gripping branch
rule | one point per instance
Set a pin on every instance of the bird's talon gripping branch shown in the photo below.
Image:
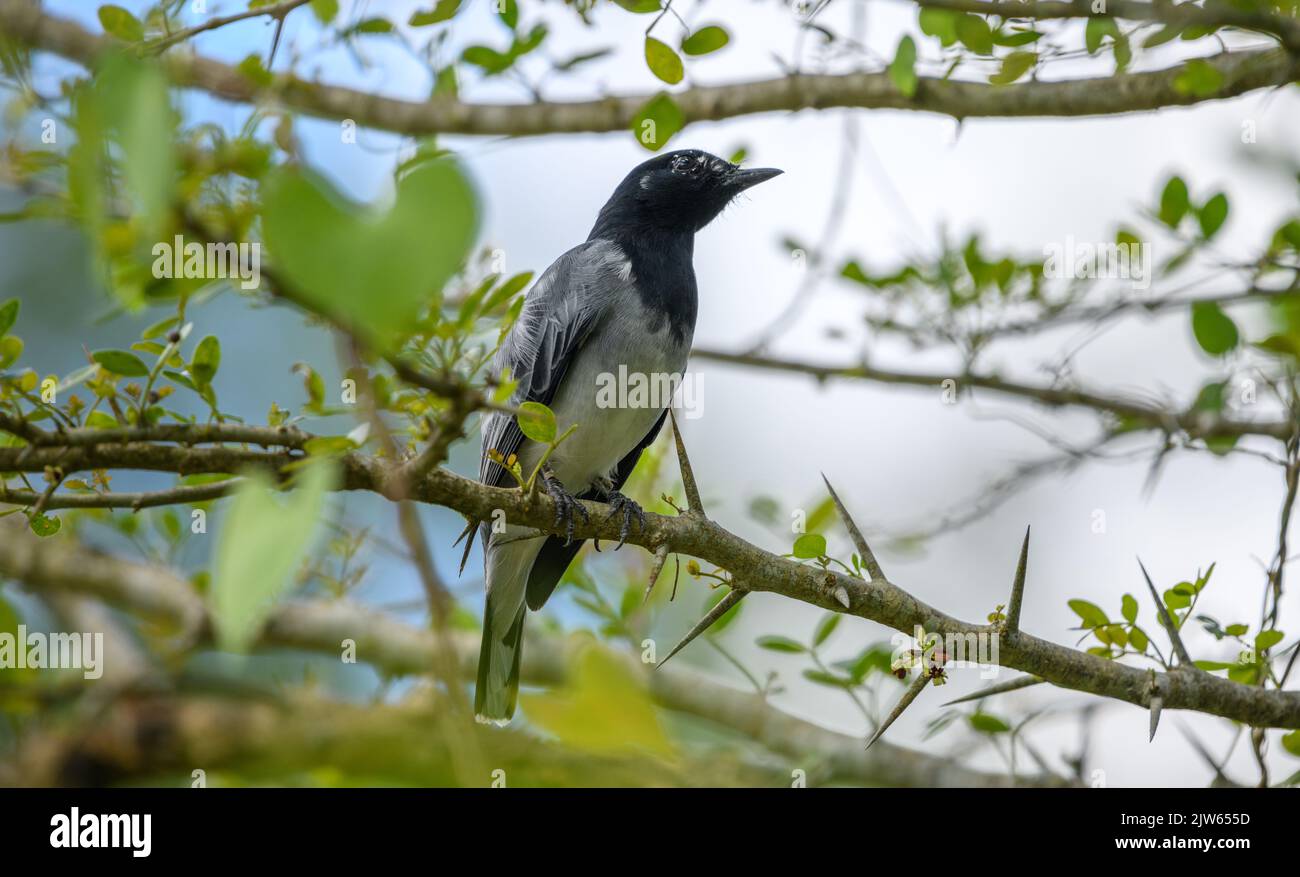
(629, 509)
(565, 504)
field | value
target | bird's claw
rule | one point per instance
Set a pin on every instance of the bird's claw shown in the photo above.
(565, 505)
(629, 509)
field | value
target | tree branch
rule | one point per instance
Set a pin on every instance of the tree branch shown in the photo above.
(1241, 72)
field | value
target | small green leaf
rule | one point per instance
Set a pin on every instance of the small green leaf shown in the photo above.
(974, 33)
(1214, 330)
(1090, 613)
(657, 121)
(826, 627)
(44, 526)
(821, 677)
(941, 23)
(207, 359)
(1174, 202)
(902, 70)
(1129, 608)
(1291, 742)
(508, 12)
(1212, 216)
(987, 724)
(1014, 66)
(444, 10)
(1266, 639)
(1137, 637)
(325, 10)
(780, 644)
(705, 40)
(8, 315)
(121, 362)
(122, 24)
(663, 61)
(1198, 78)
(810, 546)
(537, 422)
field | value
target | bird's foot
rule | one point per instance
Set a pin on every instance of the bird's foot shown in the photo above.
(565, 504)
(629, 509)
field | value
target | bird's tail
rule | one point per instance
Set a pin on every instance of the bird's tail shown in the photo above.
(498, 666)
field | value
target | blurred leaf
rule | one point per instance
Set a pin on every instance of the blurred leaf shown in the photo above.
(401, 258)
(987, 724)
(1198, 78)
(827, 627)
(1090, 613)
(206, 361)
(705, 40)
(443, 11)
(1266, 639)
(44, 526)
(941, 23)
(1211, 217)
(8, 315)
(120, 23)
(974, 33)
(1174, 202)
(657, 121)
(603, 707)
(780, 644)
(1129, 608)
(260, 546)
(1214, 330)
(1014, 66)
(902, 70)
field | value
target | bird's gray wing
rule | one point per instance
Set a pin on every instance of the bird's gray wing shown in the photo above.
(561, 310)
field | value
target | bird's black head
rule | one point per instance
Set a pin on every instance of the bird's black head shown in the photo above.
(679, 191)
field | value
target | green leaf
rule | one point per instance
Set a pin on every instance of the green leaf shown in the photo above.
(1097, 29)
(537, 422)
(827, 627)
(1137, 637)
(1164, 35)
(821, 677)
(1212, 216)
(206, 361)
(134, 101)
(255, 71)
(1266, 639)
(1237, 629)
(1198, 78)
(259, 548)
(1090, 613)
(443, 11)
(941, 23)
(508, 12)
(974, 34)
(1214, 330)
(1291, 742)
(639, 7)
(663, 61)
(780, 644)
(902, 70)
(44, 526)
(1174, 202)
(1014, 66)
(122, 24)
(657, 121)
(11, 347)
(987, 724)
(810, 546)
(602, 708)
(325, 10)
(330, 249)
(1129, 608)
(705, 40)
(8, 315)
(121, 362)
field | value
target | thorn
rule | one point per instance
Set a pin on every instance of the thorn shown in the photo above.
(1157, 705)
(656, 567)
(1184, 659)
(860, 541)
(904, 702)
(841, 595)
(706, 622)
(693, 503)
(470, 527)
(1001, 688)
(1018, 587)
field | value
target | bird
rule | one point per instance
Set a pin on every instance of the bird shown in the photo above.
(626, 297)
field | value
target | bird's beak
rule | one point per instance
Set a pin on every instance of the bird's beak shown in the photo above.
(743, 179)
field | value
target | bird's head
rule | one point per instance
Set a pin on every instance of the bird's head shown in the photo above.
(679, 191)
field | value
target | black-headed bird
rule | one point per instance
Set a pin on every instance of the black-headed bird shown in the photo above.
(626, 297)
